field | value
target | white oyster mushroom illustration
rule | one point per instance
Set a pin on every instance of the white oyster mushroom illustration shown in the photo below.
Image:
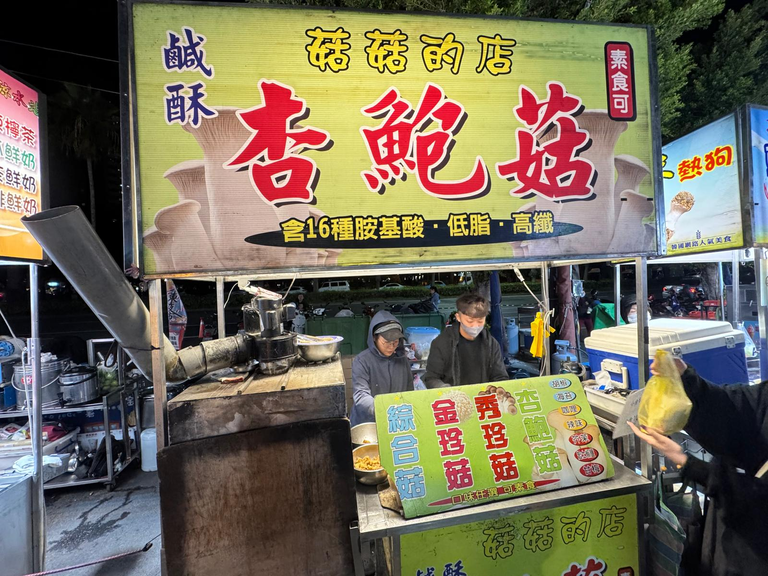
(630, 233)
(332, 259)
(160, 244)
(616, 193)
(633, 206)
(189, 179)
(630, 173)
(190, 247)
(236, 209)
(597, 216)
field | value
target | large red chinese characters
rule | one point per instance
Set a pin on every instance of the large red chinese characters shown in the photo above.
(549, 166)
(400, 144)
(273, 153)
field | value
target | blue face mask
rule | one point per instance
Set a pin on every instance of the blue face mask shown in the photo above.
(473, 331)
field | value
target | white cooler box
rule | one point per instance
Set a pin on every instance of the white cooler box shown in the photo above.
(714, 349)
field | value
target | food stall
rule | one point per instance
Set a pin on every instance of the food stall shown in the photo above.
(530, 454)
(255, 461)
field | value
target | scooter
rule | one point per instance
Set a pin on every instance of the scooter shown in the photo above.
(669, 306)
(345, 312)
(299, 324)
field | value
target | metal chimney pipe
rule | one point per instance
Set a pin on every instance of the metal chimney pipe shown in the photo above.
(74, 247)
(72, 244)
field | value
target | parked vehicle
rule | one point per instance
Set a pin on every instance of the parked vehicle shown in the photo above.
(340, 285)
(466, 278)
(667, 306)
(345, 312)
(299, 323)
(318, 312)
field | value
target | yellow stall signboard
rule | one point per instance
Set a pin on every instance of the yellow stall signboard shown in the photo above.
(597, 538)
(279, 138)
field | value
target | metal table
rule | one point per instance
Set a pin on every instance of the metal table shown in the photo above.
(376, 522)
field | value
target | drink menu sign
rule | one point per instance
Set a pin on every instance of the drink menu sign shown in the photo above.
(20, 167)
(455, 447)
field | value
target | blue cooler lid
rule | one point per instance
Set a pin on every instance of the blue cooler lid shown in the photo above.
(421, 330)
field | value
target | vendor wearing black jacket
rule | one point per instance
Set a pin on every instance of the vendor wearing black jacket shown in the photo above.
(731, 423)
(465, 353)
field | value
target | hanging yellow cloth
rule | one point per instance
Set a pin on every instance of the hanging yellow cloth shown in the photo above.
(537, 332)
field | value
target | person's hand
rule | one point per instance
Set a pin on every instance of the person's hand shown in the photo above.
(679, 364)
(671, 449)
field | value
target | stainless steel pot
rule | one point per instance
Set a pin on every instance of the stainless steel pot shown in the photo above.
(79, 384)
(49, 374)
(148, 405)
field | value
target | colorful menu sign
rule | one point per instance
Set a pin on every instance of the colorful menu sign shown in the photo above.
(702, 190)
(454, 447)
(21, 188)
(274, 138)
(597, 538)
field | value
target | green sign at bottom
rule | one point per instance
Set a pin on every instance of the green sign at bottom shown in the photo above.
(597, 538)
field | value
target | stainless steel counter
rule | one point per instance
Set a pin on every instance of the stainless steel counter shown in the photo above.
(375, 522)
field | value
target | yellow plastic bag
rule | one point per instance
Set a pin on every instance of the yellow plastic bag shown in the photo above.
(664, 405)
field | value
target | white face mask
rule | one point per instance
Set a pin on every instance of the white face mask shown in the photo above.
(632, 318)
(473, 331)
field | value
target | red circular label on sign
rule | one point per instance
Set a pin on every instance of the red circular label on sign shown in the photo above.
(592, 470)
(580, 439)
(586, 454)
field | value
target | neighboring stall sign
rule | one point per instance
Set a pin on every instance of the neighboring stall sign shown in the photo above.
(455, 447)
(277, 138)
(702, 190)
(758, 122)
(587, 539)
(21, 186)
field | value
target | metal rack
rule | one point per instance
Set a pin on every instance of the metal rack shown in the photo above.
(114, 398)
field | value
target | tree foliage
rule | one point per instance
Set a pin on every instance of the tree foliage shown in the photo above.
(84, 123)
(697, 83)
(730, 71)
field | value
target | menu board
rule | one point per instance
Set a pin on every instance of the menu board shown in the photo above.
(21, 170)
(455, 447)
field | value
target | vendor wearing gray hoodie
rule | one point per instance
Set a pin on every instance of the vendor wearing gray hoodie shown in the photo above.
(381, 369)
